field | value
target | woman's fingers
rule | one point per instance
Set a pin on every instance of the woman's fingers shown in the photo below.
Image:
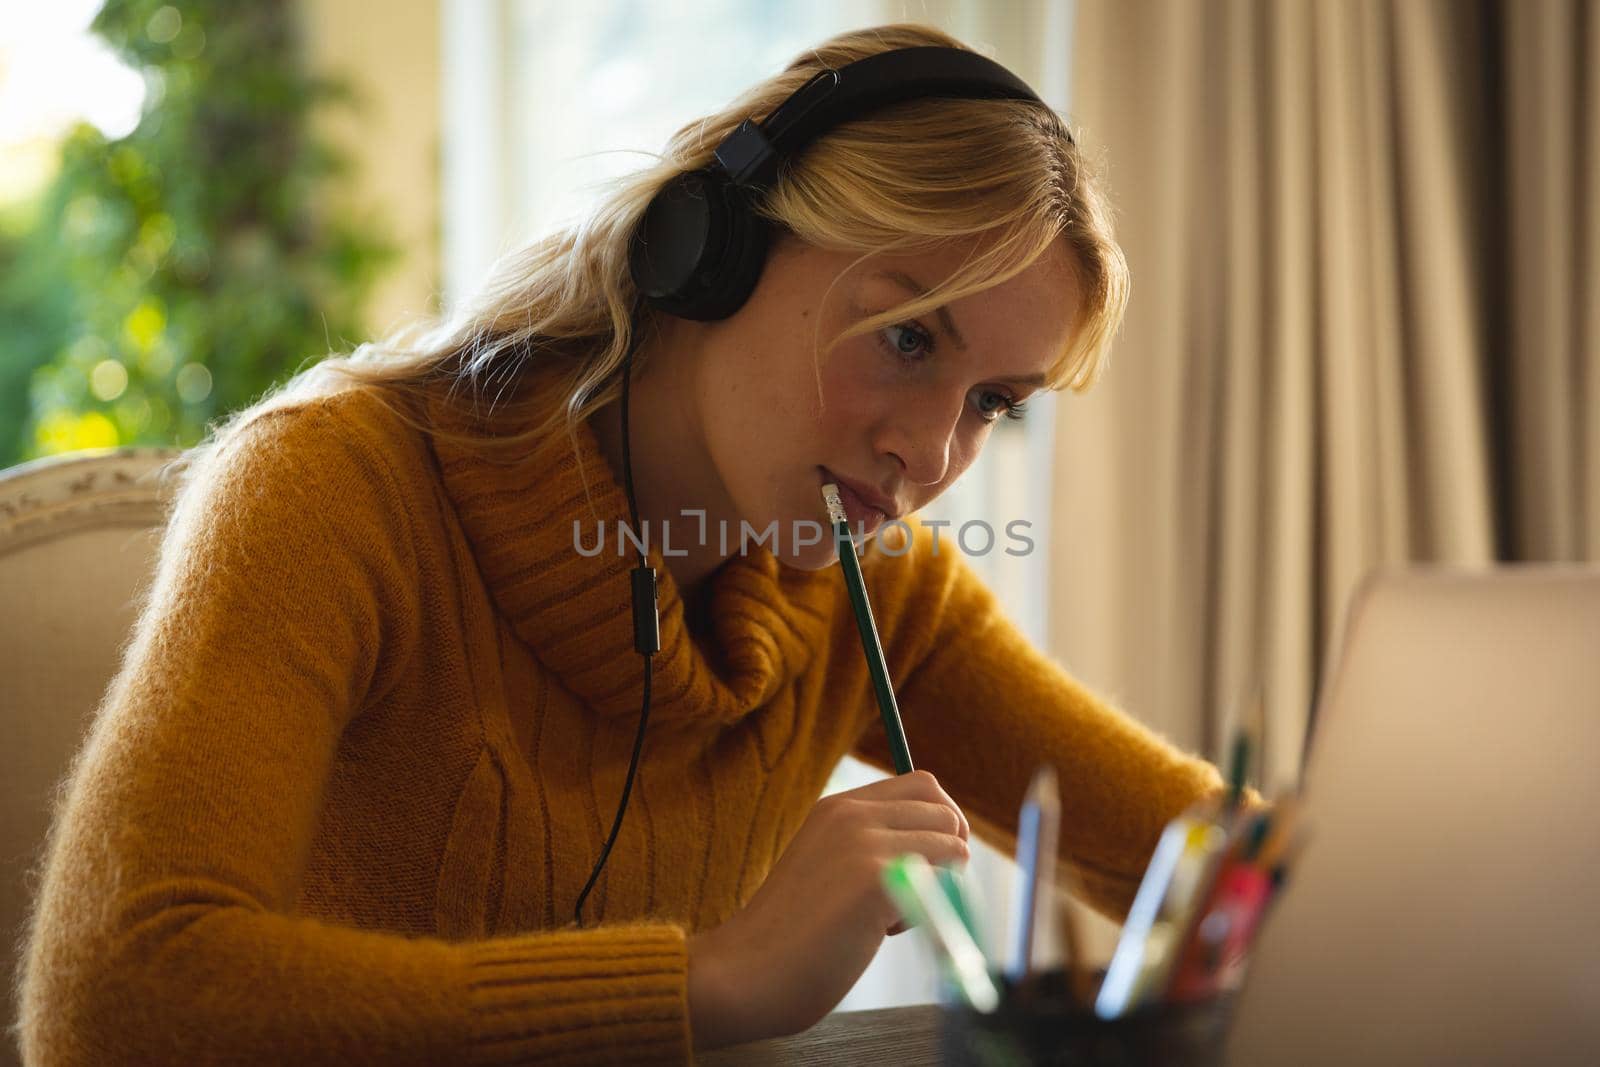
(780, 963)
(920, 786)
(923, 815)
(932, 845)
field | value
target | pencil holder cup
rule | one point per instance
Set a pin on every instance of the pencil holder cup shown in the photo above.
(1038, 1023)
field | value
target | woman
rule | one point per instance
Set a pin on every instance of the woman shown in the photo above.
(361, 757)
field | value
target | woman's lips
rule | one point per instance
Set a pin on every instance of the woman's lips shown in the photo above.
(857, 510)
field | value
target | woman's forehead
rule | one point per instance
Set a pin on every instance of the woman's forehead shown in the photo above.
(1020, 326)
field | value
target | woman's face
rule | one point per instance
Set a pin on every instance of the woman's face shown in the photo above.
(893, 416)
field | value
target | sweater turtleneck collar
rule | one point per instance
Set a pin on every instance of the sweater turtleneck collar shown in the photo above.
(575, 610)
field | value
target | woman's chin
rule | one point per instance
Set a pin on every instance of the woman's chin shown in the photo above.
(810, 558)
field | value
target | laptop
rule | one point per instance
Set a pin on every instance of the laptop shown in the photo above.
(1446, 908)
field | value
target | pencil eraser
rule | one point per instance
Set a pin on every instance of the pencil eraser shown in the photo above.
(830, 496)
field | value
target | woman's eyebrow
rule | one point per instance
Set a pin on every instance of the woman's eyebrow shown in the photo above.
(915, 288)
(1036, 381)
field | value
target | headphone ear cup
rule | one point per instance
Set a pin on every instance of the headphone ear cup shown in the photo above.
(699, 249)
(749, 236)
(681, 231)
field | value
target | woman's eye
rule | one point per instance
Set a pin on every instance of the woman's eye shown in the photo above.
(991, 405)
(908, 341)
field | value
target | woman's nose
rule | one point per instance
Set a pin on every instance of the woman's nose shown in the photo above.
(921, 435)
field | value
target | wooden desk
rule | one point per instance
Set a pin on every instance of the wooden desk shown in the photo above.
(891, 1037)
(905, 1037)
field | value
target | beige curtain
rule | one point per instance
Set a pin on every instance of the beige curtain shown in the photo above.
(1364, 330)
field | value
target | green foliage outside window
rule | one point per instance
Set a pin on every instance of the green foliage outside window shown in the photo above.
(168, 277)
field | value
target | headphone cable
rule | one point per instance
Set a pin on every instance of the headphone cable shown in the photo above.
(646, 622)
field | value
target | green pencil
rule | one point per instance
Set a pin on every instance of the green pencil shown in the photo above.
(876, 667)
(1239, 770)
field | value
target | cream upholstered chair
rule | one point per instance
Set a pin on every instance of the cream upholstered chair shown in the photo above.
(78, 535)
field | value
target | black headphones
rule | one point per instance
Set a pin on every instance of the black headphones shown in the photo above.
(699, 249)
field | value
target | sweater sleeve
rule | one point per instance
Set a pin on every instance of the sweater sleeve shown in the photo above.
(983, 708)
(165, 928)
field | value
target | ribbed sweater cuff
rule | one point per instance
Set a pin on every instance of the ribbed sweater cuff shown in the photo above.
(610, 994)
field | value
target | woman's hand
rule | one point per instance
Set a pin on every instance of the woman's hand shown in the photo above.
(795, 950)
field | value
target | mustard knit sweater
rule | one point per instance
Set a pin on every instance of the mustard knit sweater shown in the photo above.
(372, 726)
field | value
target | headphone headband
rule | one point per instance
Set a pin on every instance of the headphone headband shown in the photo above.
(698, 251)
(750, 154)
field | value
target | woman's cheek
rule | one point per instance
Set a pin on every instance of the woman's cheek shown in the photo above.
(855, 381)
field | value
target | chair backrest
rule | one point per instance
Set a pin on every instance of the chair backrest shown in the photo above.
(78, 535)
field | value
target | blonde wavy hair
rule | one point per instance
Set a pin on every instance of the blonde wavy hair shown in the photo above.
(902, 179)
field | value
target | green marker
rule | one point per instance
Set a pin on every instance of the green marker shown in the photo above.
(956, 894)
(876, 667)
(914, 888)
